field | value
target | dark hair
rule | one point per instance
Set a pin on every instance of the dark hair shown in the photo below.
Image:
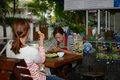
(58, 30)
(20, 29)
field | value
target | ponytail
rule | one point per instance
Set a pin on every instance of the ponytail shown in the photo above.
(16, 45)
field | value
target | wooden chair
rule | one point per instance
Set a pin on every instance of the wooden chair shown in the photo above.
(93, 76)
(6, 67)
(20, 69)
(9, 69)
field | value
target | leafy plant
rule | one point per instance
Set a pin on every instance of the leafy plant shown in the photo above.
(40, 7)
(9, 20)
(74, 19)
(65, 16)
(4, 7)
(77, 28)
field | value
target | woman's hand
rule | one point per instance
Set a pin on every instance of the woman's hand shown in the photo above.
(56, 49)
(41, 66)
(42, 37)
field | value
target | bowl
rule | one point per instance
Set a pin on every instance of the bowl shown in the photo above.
(60, 54)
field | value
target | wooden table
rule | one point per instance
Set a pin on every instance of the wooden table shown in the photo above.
(57, 62)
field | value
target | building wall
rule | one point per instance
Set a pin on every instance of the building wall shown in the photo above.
(9, 31)
(117, 22)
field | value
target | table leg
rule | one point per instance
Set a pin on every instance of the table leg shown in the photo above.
(63, 70)
(59, 72)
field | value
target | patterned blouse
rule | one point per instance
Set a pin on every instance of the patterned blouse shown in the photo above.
(31, 55)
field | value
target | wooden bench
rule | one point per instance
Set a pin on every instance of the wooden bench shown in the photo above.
(13, 68)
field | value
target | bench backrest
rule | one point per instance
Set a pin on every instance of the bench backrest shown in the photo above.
(13, 67)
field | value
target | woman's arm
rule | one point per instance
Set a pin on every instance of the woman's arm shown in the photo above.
(65, 51)
(42, 53)
(40, 57)
(41, 48)
(69, 52)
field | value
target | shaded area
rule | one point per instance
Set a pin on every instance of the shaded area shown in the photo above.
(89, 63)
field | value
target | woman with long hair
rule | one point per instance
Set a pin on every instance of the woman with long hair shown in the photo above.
(34, 57)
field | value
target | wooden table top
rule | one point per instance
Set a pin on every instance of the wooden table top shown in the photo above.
(57, 61)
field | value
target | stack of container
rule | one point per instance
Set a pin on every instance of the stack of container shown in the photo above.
(109, 35)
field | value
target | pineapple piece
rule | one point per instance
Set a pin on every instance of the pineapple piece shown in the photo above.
(39, 32)
(54, 47)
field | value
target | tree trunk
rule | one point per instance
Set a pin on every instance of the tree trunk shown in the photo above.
(4, 24)
(77, 19)
(3, 19)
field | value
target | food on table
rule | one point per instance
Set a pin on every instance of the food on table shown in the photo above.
(51, 54)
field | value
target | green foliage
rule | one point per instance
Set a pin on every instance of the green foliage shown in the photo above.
(40, 7)
(74, 19)
(64, 16)
(9, 20)
(77, 28)
(59, 10)
(5, 6)
(69, 16)
(51, 3)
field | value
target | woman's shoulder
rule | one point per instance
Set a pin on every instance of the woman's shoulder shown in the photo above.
(10, 42)
(9, 53)
(30, 48)
(53, 41)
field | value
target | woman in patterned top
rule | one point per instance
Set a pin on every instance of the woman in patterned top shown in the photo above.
(62, 42)
(33, 57)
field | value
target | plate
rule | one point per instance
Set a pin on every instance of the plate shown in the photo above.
(51, 55)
